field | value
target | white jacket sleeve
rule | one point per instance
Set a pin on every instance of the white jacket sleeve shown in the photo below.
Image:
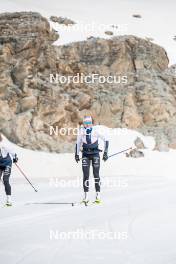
(103, 135)
(9, 150)
(78, 142)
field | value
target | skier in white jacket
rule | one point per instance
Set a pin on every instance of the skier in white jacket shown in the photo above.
(7, 156)
(88, 140)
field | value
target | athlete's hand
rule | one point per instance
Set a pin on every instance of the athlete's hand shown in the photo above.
(105, 156)
(77, 158)
(15, 159)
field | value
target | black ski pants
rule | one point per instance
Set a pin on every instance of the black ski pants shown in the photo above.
(86, 162)
(5, 174)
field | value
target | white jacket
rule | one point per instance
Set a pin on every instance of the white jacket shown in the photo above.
(98, 132)
(6, 149)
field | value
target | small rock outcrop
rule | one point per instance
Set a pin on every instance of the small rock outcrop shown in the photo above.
(109, 33)
(62, 20)
(134, 153)
(139, 143)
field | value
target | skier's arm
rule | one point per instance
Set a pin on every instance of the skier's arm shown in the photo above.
(106, 146)
(11, 151)
(105, 154)
(104, 137)
(78, 146)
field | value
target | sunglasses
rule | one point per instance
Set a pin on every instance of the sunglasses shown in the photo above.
(87, 123)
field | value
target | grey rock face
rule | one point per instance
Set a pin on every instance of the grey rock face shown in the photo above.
(143, 96)
(134, 153)
(139, 143)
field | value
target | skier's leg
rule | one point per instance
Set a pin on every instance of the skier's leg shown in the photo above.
(1, 171)
(6, 177)
(86, 170)
(96, 170)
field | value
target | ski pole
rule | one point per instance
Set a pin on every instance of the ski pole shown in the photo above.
(26, 177)
(119, 152)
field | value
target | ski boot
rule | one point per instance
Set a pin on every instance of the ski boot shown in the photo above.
(85, 200)
(9, 201)
(97, 200)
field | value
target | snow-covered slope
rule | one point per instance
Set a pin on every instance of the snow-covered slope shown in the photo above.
(46, 165)
(135, 223)
(95, 17)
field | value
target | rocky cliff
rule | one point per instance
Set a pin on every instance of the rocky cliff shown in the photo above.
(30, 103)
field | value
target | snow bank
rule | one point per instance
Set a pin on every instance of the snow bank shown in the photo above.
(46, 165)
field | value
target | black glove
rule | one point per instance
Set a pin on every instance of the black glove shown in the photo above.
(105, 156)
(77, 158)
(15, 159)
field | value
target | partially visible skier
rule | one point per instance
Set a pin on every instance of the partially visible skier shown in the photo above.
(7, 156)
(88, 139)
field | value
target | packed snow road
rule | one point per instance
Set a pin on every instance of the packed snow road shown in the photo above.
(134, 224)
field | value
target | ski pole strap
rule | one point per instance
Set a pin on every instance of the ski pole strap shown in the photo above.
(119, 152)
